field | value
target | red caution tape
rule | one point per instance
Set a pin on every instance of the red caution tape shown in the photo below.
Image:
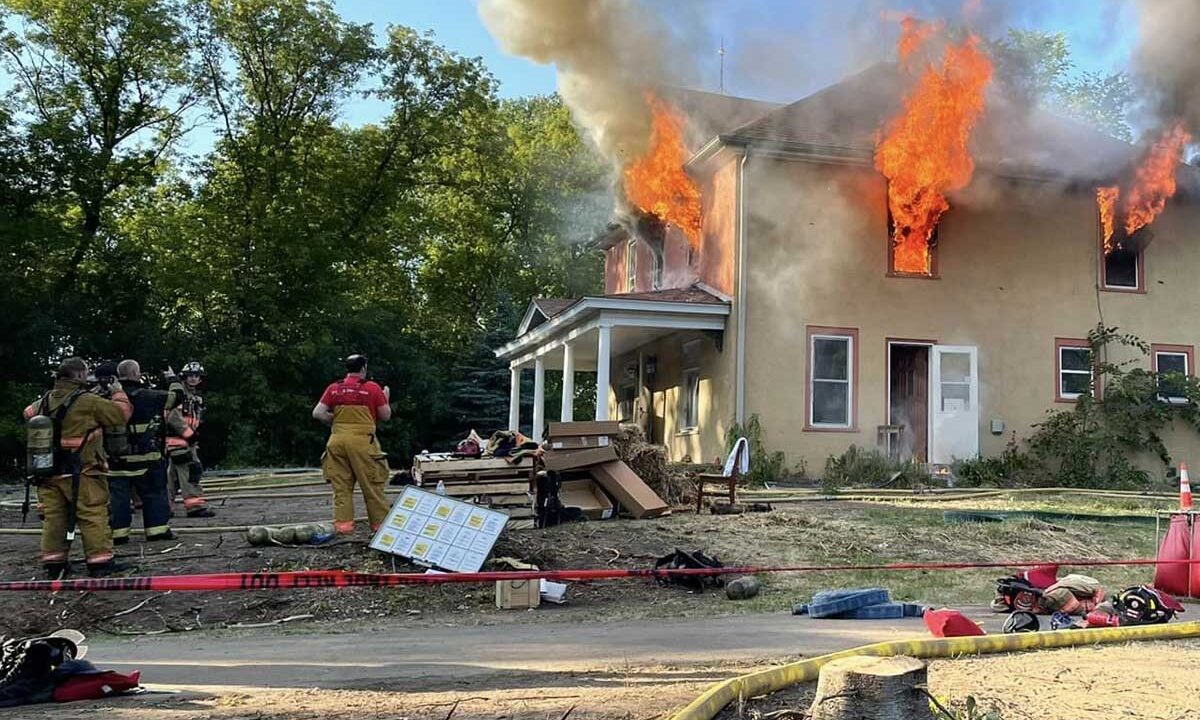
(308, 579)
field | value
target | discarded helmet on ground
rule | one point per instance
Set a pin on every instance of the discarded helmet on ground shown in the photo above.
(1022, 621)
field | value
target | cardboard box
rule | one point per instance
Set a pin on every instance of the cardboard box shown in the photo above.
(561, 430)
(516, 594)
(583, 441)
(588, 497)
(634, 496)
(560, 460)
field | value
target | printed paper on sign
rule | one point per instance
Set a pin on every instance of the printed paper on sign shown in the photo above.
(440, 531)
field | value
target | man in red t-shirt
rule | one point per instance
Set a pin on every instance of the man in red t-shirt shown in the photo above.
(352, 455)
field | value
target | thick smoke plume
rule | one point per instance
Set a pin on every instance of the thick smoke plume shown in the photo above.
(606, 53)
(1167, 59)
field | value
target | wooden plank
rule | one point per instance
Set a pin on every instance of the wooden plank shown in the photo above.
(560, 460)
(468, 489)
(466, 465)
(577, 429)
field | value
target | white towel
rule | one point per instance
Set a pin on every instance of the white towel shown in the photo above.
(742, 458)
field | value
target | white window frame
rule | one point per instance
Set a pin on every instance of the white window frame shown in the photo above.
(1090, 372)
(631, 265)
(689, 397)
(1137, 275)
(813, 380)
(1187, 370)
(657, 271)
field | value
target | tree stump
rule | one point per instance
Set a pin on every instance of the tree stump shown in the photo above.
(872, 688)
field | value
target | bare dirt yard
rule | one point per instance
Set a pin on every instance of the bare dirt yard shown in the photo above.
(793, 534)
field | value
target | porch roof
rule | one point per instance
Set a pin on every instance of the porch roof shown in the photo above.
(638, 317)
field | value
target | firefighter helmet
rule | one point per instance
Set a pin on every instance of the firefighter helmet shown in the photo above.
(192, 368)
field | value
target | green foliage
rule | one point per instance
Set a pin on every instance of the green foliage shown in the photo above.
(297, 239)
(765, 466)
(1035, 67)
(1012, 467)
(869, 468)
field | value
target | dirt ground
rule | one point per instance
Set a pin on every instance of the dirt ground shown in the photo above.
(1151, 681)
(798, 534)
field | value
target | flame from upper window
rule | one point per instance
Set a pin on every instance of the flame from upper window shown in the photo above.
(1153, 184)
(657, 183)
(1106, 200)
(923, 151)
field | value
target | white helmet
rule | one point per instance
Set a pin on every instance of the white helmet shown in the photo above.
(193, 368)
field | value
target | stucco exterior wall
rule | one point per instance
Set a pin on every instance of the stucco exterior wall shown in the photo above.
(1018, 267)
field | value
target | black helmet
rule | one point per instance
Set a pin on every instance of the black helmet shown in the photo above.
(193, 368)
(105, 370)
(356, 363)
(1022, 621)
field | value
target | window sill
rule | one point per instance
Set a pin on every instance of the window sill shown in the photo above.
(823, 428)
(687, 432)
(912, 276)
(1123, 290)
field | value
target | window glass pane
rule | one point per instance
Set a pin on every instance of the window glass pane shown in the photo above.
(1075, 383)
(831, 358)
(694, 401)
(956, 367)
(830, 403)
(1076, 359)
(1172, 362)
(956, 397)
(1120, 268)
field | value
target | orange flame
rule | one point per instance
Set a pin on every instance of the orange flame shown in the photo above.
(1154, 181)
(657, 183)
(1106, 199)
(913, 34)
(924, 151)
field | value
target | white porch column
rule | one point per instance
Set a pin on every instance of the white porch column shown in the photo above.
(568, 384)
(539, 397)
(514, 398)
(603, 349)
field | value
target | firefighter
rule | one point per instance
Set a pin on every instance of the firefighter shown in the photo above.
(142, 467)
(74, 494)
(352, 455)
(183, 425)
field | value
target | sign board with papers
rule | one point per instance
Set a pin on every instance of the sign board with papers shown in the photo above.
(438, 531)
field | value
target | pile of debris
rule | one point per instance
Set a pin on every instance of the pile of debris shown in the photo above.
(583, 470)
(500, 483)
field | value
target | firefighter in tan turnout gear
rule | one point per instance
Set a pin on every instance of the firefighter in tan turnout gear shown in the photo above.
(71, 483)
(352, 455)
(183, 425)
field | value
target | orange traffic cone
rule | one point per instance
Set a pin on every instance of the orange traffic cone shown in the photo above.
(1185, 488)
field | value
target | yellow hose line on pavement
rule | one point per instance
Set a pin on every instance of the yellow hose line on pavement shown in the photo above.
(713, 700)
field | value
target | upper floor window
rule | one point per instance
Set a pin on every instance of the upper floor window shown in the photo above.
(1074, 368)
(911, 258)
(1173, 364)
(657, 268)
(631, 265)
(1122, 270)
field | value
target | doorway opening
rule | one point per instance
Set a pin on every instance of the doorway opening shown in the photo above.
(908, 399)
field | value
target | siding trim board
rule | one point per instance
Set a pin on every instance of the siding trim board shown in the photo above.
(823, 330)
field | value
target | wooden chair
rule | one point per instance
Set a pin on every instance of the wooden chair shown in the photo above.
(731, 480)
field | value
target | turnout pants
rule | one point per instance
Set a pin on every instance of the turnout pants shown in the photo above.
(353, 456)
(151, 487)
(183, 473)
(91, 517)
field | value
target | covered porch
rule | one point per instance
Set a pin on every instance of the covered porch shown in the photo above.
(584, 335)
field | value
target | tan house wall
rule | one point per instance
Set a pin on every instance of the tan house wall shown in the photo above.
(1018, 267)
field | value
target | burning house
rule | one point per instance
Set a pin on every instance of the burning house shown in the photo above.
(902, 259)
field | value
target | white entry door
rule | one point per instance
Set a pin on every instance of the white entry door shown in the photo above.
(955, 401)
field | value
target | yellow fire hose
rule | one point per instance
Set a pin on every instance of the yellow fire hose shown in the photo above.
(713, 700)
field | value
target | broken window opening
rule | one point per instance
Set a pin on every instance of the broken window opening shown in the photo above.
(911, 259)
(631, 265)
(1121, 271)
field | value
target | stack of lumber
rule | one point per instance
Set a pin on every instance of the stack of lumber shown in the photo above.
(585, 455)
(489, 482)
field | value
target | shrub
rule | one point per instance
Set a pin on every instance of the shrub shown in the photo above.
(869, 468)
(765, 467)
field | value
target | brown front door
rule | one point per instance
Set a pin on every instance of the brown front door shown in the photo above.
(909, 399)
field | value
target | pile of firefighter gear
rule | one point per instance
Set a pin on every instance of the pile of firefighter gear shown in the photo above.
(1077, 601)
(52, 669)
